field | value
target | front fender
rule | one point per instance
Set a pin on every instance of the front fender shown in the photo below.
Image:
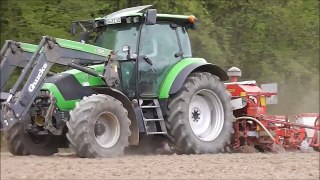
(134, 138)
(67, 98)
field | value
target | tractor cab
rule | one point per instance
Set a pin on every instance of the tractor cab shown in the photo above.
(146, 44)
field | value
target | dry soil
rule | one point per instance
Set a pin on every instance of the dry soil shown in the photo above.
(217, 166)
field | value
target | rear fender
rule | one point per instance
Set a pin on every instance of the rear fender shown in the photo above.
(182, 76)
(176, 76)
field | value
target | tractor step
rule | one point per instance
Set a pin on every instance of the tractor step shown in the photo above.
(164, 133)
(148, 96)
(152, 116)
(152, 119)
(145, 107)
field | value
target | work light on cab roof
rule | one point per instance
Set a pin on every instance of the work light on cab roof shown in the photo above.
(135, 15)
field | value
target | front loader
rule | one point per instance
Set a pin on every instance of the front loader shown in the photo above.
(146, 84)
(13, 55)
(16, 55)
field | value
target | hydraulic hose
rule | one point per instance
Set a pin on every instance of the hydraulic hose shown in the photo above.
(84, 69)
(256, 120)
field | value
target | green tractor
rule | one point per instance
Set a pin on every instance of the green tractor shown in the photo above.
(138, 78)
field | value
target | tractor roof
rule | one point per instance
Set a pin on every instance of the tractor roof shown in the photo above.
(139, 11)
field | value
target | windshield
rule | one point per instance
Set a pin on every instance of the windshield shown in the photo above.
(116, 36)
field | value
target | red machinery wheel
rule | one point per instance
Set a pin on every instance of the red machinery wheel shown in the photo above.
(317, 135)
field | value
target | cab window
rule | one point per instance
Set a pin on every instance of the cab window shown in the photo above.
(185, 42)
(159, 43)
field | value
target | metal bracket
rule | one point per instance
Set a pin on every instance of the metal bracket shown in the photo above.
(111, 74)
(48, 119)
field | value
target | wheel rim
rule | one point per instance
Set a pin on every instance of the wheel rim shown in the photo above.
(206, 115)
(107, 130)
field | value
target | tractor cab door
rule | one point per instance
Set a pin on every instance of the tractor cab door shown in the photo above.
(115, 37)
(158, 49)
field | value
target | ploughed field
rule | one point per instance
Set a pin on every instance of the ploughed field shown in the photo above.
(216, 166)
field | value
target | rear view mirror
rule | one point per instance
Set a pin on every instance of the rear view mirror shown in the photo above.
(151, 17)
(74, 28)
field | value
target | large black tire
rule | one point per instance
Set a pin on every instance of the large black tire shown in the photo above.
(316, 149)
(21, 143)
(317, 124)
(181, 136)
(82, 126)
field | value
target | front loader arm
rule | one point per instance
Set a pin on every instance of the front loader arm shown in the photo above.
(17, 55)
(54, 51)
(14, 55)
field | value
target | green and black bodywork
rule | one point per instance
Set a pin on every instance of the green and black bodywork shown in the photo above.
(139, 57)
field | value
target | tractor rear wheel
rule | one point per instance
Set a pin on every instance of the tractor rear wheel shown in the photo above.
(199, 117)
(98, 127)
(21, 143)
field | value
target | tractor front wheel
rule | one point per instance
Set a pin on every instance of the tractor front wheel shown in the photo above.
(22, 143)
(98, 127)
(199, 117)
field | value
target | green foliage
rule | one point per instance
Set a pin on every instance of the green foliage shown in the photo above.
(271, 41)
